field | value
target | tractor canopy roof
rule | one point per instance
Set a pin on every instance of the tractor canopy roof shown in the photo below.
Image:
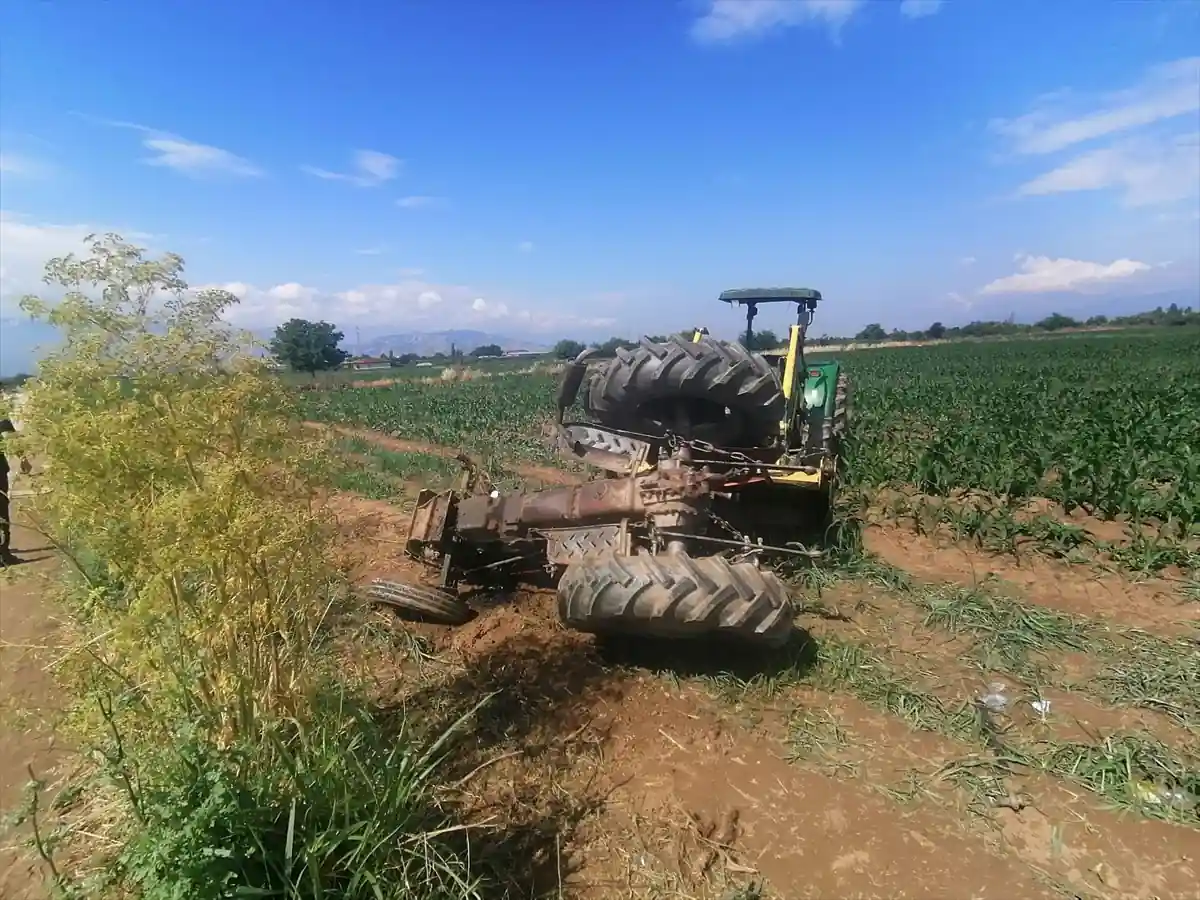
(769, 295)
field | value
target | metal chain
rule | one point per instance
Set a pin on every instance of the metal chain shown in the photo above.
(721, 523)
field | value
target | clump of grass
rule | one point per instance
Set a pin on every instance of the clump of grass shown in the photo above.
(1153, 673)
(846, 665)
(1128, 770)
(1136, 668)
(339, 806)
(1008, 635)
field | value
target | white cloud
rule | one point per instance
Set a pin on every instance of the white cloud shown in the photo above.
(410, 302)
(967, 261)
(372, 169)
(491, 310)
(26, 247)
(1165, 92)
(727, 20)
(189, 158)
(919, 9)
(1147, 172)
(525, 247)
(419, 202)
(197, 160)
(1151, 157)
(22, 166)
(1043, 275)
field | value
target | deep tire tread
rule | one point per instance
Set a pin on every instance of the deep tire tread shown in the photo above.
(430, 603)
(675, 596)
(724, 373)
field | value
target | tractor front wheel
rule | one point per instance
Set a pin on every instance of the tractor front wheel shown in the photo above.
(430, 604)
(675, 596)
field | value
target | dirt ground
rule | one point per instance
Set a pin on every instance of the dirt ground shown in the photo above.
(622, 770)
(27, 692)
(694, 776)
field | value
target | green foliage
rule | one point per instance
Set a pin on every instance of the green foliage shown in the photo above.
(308, 346)
(610, 347)
(1105, 425)
(336, 809)
(488, 350)
(765, 340)
(872, 333)
(936, 331)
(497, 418)
(567, 349)
(1057, 321)
(227, 761)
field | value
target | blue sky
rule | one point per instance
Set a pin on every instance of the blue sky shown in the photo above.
(556, 169)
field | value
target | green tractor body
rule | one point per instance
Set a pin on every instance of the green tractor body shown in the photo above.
(815, 393)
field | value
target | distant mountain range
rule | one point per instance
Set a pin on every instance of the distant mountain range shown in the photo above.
(427, 343)
(20, 339)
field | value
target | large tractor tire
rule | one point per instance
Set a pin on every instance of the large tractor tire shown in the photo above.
(829, 444)
(430, 604)
(843, 411)
(675, 596)
(651, 388)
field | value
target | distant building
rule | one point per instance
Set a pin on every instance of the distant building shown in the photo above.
(513, 353)
(360, 363)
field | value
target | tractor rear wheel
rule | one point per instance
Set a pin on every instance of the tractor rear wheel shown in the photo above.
(430, 603)
(675, 596)
(829, 446)
(683, 386)
(843, 409)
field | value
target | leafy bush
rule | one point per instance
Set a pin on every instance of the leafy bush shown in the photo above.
(231, 760)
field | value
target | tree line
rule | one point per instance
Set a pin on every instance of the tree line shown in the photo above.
(316, 346)
(875, 333)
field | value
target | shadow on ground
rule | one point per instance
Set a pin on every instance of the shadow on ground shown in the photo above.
(532, 762)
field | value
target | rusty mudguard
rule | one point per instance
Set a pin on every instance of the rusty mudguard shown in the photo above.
(427, 529)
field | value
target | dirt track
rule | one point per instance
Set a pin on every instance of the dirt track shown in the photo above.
(26, 627)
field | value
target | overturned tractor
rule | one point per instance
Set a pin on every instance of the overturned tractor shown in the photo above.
(716, 456)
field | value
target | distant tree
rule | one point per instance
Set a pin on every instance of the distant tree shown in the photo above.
(764, 340)
(404, 359)
(308, 346)
(1097, 320)
(487, 350)
(936, 331)
(1056, 321)
(873, 333)
(610, 347)
(568, 349)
